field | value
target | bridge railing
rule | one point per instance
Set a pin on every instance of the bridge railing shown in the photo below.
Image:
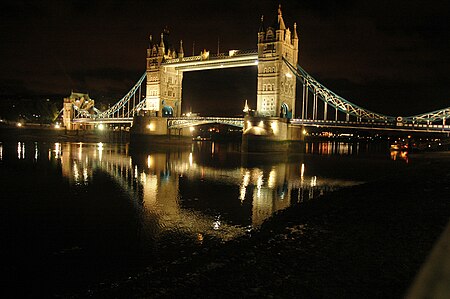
(181, 122)
(368, 125)
(231, 54)
(340, 104)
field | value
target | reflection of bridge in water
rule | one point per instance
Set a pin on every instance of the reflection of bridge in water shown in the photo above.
(152, 181)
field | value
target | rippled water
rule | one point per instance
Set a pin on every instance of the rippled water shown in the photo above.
(86, 211)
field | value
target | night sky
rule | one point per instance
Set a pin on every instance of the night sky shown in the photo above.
(388, 56)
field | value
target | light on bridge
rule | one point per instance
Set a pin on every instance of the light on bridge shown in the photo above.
(274, 127)
(151, 127)
(192, 129)
(150, 161)
(304, 132)
(19, 124)
(101, 127)
(289, 75)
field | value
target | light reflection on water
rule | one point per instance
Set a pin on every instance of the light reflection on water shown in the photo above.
(152, 180)
(136, 205)
(209, 189)
(109, 207)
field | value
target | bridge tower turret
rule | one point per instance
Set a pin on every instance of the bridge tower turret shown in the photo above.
(163, 95)
(276, 84)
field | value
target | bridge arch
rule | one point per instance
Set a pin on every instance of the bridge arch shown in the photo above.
(284, 113)
(167, 111)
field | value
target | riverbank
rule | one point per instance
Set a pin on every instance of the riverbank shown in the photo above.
(364, 241)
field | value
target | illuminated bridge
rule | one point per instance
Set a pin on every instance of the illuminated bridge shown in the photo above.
(158, 93)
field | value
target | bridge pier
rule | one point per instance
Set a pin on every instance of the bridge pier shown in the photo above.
(271, 134)
(155, 129)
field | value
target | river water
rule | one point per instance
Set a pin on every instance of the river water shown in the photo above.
(77, 214)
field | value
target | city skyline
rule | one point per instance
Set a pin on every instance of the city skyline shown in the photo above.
(382, 56)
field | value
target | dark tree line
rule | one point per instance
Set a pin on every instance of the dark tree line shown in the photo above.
(31, 110)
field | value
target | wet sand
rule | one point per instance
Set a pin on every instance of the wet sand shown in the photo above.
(365, 241)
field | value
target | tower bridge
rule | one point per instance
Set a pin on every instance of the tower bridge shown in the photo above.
(153, 105)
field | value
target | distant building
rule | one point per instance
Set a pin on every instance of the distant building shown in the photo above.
(76, 104)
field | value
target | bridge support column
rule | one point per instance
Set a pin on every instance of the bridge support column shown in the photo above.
(154, 130)
(271, 134)
(149, 125)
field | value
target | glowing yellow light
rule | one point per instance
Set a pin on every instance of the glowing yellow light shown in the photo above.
(101, 126)
(261, 124)
(58, 150)
(314, 181)
(80, 150)
(272, 179)
(259, 184)
(192, 129)
(289, 75)
(19, 124)
(304, 132)
(245, 182)
(100, 151)
(151, 127)
(274, 127)
(191, 159)
(302, 170)
(149, 161)
(57, 126)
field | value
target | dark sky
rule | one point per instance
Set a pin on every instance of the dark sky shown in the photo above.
(389, 56)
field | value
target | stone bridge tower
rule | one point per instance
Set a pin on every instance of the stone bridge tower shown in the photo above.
(164, 83)
(276, 84)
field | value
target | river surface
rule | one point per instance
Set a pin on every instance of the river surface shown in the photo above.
(77, 214)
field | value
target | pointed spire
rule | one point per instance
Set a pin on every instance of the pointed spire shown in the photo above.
(161, 48)
(161, 44)
(150, 41)
(280, 19)
(261, 26)
(246, 108)
(295, 31)
(181, 52)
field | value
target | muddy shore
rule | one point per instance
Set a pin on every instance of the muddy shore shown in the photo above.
(365, 241)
